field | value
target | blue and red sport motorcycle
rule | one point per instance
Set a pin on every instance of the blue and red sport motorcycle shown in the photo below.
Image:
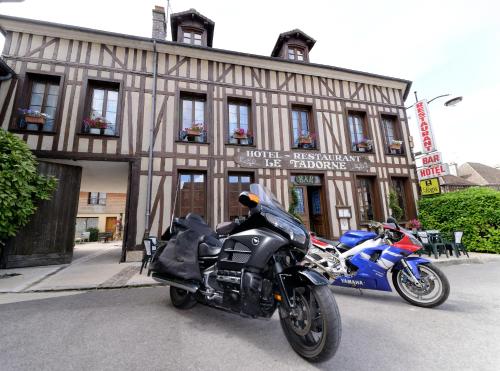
(364, 259)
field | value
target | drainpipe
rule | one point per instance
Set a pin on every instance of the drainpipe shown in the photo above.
(151, 145)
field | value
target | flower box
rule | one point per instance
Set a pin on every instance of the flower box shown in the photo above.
(239, 136)
(30, 119)
(396, 145)
(193, 132)
(305, 140)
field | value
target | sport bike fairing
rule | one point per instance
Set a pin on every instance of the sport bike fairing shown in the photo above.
(372, 273)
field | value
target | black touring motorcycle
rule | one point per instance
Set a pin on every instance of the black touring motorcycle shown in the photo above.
(252, 268)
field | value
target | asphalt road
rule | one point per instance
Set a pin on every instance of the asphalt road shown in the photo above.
(138, 329)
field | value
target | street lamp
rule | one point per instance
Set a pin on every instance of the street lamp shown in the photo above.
(449, 103)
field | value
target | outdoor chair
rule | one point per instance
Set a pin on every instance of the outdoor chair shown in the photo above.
(449, 241)
(150, 246)
(458, 242)
(429, 248)
(438, 243)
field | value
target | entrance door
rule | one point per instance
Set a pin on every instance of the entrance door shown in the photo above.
(317, 215)
(111, 224)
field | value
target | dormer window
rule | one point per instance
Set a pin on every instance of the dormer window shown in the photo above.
(192, 37)
(295, 53)
(293, 45)
(193, 28)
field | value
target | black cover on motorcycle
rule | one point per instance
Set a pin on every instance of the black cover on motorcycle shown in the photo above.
(179, 258)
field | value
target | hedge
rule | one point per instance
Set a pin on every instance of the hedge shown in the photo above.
(21, 187)
(475, 211)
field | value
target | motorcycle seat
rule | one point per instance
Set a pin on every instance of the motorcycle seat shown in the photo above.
(225, 228)
(209, 246)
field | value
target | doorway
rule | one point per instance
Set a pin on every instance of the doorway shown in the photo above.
(111, 225)
(311, 205)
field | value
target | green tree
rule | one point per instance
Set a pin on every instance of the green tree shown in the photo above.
(21, 187)
(397, 211)
(475, 211)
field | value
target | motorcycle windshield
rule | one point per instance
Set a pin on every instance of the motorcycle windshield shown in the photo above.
(266, 197)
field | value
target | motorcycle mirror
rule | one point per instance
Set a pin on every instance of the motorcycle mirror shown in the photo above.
(391, 220)
(248, 199)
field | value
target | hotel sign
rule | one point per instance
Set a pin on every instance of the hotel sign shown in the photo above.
(432, 171)
(301, 160)
(430, 187)
(424, 127)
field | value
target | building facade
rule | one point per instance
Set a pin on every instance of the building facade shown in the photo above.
(338, 138)
(101, 210)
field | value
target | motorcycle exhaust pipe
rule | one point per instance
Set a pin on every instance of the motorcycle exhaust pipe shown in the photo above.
(191, 287)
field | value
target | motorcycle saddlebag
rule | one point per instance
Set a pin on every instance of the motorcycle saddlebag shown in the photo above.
(179, 257)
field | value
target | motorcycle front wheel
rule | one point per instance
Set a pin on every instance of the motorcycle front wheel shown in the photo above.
(313, 326)
(434, 289)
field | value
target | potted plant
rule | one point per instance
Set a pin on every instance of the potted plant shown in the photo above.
(396, 145)
(195, 130)
(306, 139)
(414, 224)
(96, 125)
(365, 144)
(239, 133)
(33, 117)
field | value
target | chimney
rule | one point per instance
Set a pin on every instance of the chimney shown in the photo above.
(159, 23)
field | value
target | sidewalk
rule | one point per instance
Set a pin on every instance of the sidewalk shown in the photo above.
(95, 266)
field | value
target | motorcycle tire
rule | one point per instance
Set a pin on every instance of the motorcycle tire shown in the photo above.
(302, 339)
(182, 299)
(435, 292)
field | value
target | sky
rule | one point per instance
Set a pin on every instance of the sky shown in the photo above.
(444, 47)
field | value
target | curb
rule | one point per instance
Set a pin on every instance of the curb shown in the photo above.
(474, 260)
(87, 288)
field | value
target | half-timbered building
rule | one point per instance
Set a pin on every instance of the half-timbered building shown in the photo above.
(222, 119)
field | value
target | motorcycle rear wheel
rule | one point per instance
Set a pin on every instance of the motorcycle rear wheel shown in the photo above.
(313, 329)
(182, 299)
(434, 291)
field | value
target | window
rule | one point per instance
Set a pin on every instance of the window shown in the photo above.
(392, 138)
(192, 194)
(239, 123)
(43, 98)
(83, 224)
(296, 53)
(193, 126)
(191, 37)
(399, 187)
(101, 111)
(238, 182)
(358, 132)
(366, 198)
(303, 133)
(97, 198)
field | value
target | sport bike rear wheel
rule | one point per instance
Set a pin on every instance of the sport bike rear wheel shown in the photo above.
(313, 326)
(434, 289)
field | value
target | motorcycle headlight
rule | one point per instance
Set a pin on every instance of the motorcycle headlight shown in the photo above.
(296, 234)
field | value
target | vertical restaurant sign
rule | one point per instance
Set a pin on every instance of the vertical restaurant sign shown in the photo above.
(424, 126)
